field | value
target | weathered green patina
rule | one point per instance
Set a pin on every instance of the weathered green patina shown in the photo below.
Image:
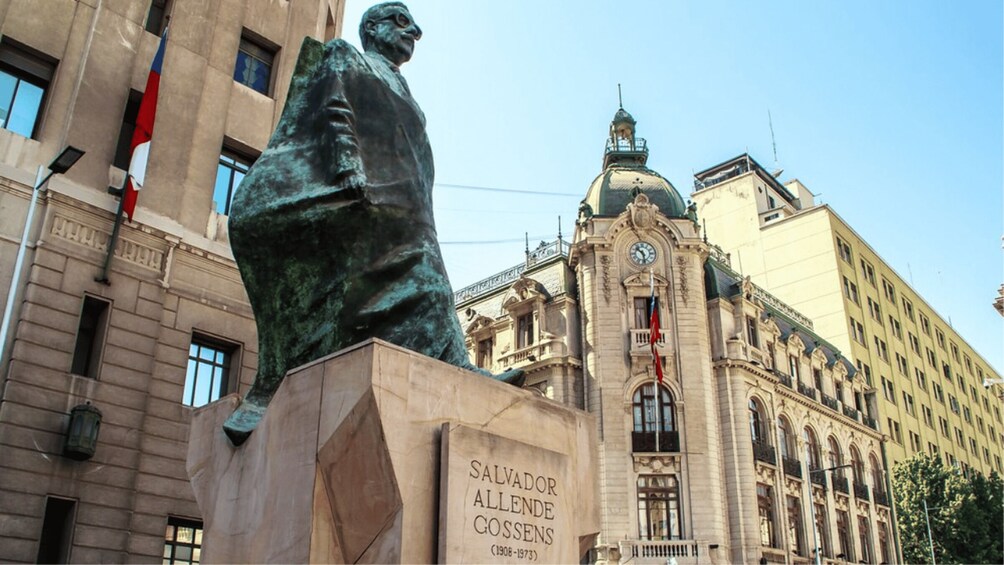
(332, 228)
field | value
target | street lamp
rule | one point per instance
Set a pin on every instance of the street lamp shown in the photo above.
(930, 540)
(815, 533)
(62, 163)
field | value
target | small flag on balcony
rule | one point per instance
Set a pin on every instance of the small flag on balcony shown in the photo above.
(653, 324)
(140, 145)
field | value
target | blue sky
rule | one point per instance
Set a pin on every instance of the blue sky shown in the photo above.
(891, 112)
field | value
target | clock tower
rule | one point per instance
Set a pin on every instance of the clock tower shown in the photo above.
(661, 441)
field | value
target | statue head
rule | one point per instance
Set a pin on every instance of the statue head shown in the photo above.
(389, 30)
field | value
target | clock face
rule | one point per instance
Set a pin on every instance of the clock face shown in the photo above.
(643, 253)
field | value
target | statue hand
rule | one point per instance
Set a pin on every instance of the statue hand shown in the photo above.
(352, 185)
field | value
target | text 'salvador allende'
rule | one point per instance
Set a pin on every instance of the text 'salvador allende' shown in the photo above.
(528, 497)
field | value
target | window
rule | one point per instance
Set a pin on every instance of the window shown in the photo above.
(642, 315)
(836, 457)
(953, 403)
(868, 272)
(864, 368)
(765, 508)
(857, 331)
(960, 438)
(156, 18)
(894, 431)
(946, 371)
(812, 455)
(793, 366)
(914, 343)
(208, 375)
(968, 363)
(485, 358)
(932, 359)
(979, 424)
(888, 390)
(757, 422)
(901, 365)
(908, 404)
(955, 352)
(895, 327)
(851, 291)
(844, 249)
(659, 508)
(967, 415)
(940, 337)
(822, 531)
(939, 393)
(973, 447)
(928, 415)
(865, 539)
(885, 553)
(817, 380)
(122, 154)
(889, 291)
(751, 331)
(651, 414)
(24, 80)
(925, 324)
(57, 530)
(795, 536)
(932, 449)
(915, 443)
(524, 331)
(943, 424)
(881, 349)
(874, 310)
(90, 337)
(254, 64)
(182, 541)
(844, 535)
(229, 173)
(908, 309)
(786, 440)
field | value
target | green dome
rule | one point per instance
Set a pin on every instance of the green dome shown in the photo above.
(616, 187)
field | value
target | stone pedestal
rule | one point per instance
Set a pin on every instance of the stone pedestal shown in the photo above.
(351, 465)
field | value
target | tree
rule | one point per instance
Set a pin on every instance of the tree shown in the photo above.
(965, 514)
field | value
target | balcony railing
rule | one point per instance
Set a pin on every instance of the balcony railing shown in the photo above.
(861, 491)
(640, 341)
(818, 478)
(644, 442)
(764, 452)
(639, 145)
(851, 413)
(829, 401)
(871, 423)
(792, 467)
(840, 484)
(784, 379)
(806, 390)
(881, 497)
(657, 549)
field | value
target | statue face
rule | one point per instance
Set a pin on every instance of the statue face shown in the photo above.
(394, 35)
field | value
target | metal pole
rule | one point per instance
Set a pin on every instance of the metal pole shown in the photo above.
(103, 279)
(930, 540)
(812, 515)
(40, 180)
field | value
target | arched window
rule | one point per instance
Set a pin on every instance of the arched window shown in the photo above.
(836, 457)
(786, 439)
(757, 422)
(877, 483)
(651, 414)
(857, 465)
(811, 448)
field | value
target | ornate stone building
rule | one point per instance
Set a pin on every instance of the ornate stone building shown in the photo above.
(172, 328)
(729, 458)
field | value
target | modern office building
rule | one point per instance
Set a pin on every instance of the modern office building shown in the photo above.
(726, 460)
(928, 382)
(171, 328)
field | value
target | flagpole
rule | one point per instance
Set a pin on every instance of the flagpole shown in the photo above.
(655, 374)
(120, 192)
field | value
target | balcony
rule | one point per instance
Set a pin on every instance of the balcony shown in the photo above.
(624, 145)
(861, 491)
(764, 452)
(644, 442)
(881, 498)
(851, 413)
(640, 342)
(840, 484)
(829, 401)
(817, 477)
(792, 467)
(784, 379)
(664, 550)
(808, 391)
(871, 423)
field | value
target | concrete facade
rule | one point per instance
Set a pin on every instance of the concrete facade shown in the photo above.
(590, 347)
(172, 277)
(927, 382)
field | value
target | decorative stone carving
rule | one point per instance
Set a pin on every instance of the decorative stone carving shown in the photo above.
(641, 211)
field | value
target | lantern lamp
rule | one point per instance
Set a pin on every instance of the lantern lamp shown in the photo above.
(82, 435)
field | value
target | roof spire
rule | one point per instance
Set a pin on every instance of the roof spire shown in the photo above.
(620, 100)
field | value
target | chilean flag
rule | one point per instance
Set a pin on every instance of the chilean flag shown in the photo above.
(140, 146)
(653, 325)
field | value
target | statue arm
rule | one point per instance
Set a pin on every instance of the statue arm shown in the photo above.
(347, 174)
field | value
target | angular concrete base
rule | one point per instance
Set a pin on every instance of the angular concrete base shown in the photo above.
(345, 465)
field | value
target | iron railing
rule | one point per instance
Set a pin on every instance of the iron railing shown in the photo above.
(861, 491)
(818, 477)
(792, 467)
(829, 401)
(807, 391)
(840, 484)
(851, 413)
(644, 442)
(784, 379)
(763, 451)
(881, 497)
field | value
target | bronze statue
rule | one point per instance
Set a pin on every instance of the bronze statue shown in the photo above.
(332, 228)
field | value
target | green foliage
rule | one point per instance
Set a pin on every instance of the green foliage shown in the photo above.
(966, 515)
